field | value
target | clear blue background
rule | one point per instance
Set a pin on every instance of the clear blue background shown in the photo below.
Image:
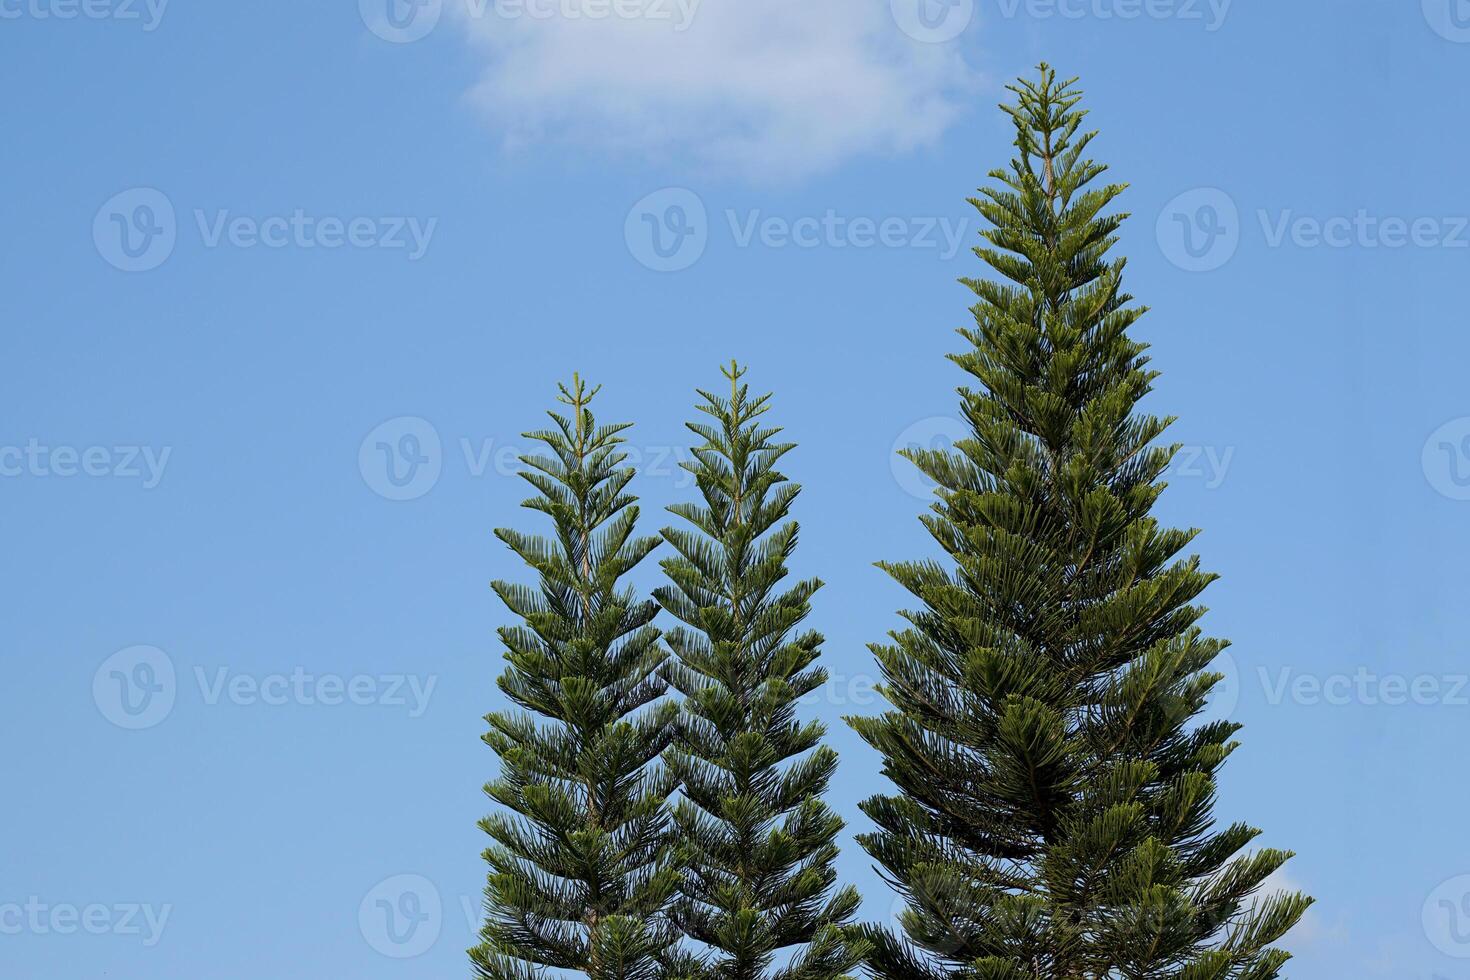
(264, 548)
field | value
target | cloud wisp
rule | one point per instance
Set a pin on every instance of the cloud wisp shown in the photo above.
(766, 89)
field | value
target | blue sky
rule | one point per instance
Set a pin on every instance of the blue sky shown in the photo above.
(246, 244)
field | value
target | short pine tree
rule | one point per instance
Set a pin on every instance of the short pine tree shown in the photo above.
(1054, 816)
(580, 864)
(759, 842)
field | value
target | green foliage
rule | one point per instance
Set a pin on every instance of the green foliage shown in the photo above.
(1054, 809)
(580, 863)
(759, 842)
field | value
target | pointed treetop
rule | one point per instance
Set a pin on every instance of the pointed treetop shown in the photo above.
(734, 372)
(577, 396)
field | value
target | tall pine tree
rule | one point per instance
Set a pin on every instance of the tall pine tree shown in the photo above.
(759, 842)
(580, 861)
(1055, 788)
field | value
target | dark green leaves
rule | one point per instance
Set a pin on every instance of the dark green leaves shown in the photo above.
(758, 839)
(1055, 792)
(582, 868)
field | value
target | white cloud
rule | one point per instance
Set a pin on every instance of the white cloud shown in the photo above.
(769, 89)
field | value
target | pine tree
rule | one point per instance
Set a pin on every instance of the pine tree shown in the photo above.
(1055, 788)
(760, 843)
(580, 865)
